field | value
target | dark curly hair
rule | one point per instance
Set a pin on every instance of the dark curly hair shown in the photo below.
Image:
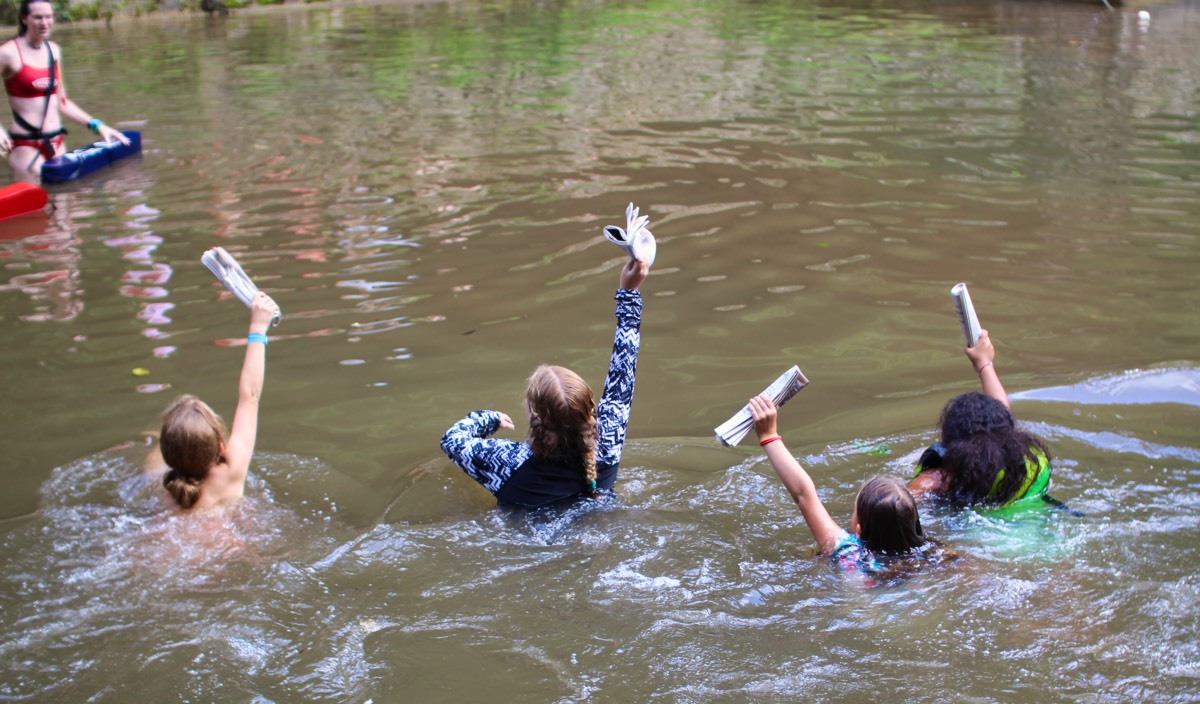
(981, 439)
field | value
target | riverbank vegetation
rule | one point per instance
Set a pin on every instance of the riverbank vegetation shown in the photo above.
(107, 9)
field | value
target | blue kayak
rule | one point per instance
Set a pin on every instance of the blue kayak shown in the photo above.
(85, 160)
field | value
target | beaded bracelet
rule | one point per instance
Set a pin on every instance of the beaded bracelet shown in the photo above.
(256, 337)
(94, 124)
(768, 441)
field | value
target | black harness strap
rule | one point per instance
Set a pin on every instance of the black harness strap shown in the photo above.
(37, 132)
(34, 133)
(1061, 506)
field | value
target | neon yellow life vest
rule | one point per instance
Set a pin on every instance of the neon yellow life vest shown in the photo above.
(1037, 475)
(1037, 478)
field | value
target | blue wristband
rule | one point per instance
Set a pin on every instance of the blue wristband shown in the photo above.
(256, 337)
(94, 124)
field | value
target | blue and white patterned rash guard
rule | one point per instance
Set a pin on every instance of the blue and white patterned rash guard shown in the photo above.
(509, 470)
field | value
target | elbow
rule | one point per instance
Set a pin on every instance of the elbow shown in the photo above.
(250, 393)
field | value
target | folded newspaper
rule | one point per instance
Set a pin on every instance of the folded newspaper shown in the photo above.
(966, 314)
(226, 269)
(731, 432)
(635, 239)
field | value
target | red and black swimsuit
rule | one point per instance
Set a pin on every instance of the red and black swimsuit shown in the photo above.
(35, 82)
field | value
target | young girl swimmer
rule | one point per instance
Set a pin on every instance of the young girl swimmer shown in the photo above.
(982, 458)
(205, 467)
(574, 445)
(884, 522)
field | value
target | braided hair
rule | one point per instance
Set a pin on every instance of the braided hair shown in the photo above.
(562, 420)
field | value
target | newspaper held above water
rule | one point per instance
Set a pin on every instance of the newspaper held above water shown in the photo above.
(226, 270)
(966, 314)
(731, 432)
(636, 239)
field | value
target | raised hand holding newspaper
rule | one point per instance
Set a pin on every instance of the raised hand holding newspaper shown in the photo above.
(635, 239)
(731, 432)
(966, 314)
(226, 270)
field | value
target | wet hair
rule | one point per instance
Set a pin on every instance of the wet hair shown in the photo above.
(24, 13)
(981, 439)
(562, 419)
(888, 523)
(191, 440)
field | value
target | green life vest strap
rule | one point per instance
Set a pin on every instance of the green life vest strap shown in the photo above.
(1037, 478)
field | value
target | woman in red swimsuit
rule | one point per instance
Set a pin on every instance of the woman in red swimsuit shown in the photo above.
(38, 99)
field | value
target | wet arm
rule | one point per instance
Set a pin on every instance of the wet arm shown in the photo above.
(929, 481)
(487, 460)
(70, 110)
(797, 482)
(990, 381)
(612, 413)
(244, 433)
(983, 357)
(804, 492)
(8, 62)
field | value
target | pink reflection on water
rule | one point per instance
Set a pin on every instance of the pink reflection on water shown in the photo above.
(41, 278)
(142, 239)
(311, 255)
(156, 313)
(152, 388)
(223, 294)
(369, 286)
(137, 247)
(141, 212)
(159, 274)
(144, 291)
(29, 243)
(54, 291)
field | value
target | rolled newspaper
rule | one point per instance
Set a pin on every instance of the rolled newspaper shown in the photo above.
(635, 239)
(226, 270)
(731, 432)
(966, 314)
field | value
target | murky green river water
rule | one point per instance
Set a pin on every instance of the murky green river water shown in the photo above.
(422, 188)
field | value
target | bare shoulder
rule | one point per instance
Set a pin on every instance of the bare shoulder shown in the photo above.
(8, 53)
(931, 481)
(226, 481)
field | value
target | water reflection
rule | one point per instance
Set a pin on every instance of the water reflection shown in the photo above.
(46, 247)
(424, 186)
(1135, 386)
